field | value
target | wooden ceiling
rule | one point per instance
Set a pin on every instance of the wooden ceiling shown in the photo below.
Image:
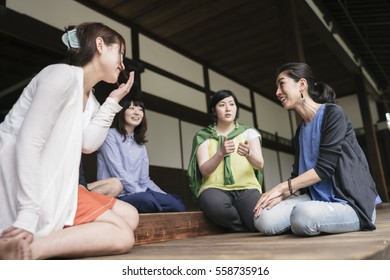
(245, 40)
(365, 25)
(248, 39)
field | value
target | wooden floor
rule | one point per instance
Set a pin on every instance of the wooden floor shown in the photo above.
(253, 246)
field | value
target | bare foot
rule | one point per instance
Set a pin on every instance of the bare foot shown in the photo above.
(14, 249)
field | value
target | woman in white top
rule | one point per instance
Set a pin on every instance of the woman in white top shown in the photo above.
(44, 213)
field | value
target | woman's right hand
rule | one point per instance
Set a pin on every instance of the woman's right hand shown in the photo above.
(227, 147)
(123, 88)
(14, 232)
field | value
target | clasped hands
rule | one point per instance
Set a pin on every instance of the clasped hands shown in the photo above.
(228, 147)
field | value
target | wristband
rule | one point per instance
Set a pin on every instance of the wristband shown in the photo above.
(289, 186)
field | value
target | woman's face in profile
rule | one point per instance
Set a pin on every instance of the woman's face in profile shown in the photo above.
(287, 91)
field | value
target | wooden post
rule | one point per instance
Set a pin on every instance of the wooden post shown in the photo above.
(292, 41)
(373, 157)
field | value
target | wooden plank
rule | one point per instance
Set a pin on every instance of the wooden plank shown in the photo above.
(160, 227)
(359, 245)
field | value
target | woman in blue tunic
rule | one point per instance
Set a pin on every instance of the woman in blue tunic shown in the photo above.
(330, 189)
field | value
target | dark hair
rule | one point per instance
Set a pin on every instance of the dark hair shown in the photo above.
(318, 91)
(86, 34)
(120, 120)
(218, 96)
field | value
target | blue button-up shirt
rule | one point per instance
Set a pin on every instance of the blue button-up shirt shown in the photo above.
(127, 161)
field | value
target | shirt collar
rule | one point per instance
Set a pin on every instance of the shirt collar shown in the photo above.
(130, 136)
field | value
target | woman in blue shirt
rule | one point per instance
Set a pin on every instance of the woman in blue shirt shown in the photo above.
(123, 155)
(330, 171)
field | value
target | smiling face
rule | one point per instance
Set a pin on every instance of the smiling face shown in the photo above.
(287, 91)
(133, 117)
(226, 110)
(112, 61)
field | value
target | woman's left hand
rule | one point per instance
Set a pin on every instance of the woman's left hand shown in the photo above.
(123, 89)
(269, 199)
(243, 149)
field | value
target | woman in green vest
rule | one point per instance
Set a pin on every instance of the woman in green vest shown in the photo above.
(225, 169)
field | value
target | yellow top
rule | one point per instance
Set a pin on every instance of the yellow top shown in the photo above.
(243, 173)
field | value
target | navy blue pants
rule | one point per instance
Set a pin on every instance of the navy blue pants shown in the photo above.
(152, 202)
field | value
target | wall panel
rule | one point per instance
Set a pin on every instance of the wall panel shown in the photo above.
(218, 82)
(350, 105)
(271, 117)
(164, 140)
(188, 131)
(164, 87)
(169, 60)
(271, 169)
(62, 13)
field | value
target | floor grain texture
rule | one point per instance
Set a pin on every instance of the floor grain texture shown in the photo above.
(360, 245)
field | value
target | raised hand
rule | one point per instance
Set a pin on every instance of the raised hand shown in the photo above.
(123, 88)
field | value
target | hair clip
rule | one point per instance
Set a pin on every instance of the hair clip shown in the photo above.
(70, 39)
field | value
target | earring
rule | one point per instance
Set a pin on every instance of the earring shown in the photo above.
(303, 100)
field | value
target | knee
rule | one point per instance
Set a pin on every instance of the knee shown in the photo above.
(133, 217)
(178, 204)
(147, 204)
(266, 224)
(226, 211)
(128, 242)
(121, 237)
(116, 187)
(211, 202)
(124, 242)
(304, 221)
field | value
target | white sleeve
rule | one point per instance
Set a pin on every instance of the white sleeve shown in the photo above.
(251, 133)
(97, 128)
(50, 91)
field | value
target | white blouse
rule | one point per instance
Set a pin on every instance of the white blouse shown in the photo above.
(41, 141)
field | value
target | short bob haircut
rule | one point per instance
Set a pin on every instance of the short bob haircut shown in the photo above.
(218, 96)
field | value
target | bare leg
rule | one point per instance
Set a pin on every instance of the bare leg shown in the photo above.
(127, 212)
(108, 234)
(110, 187)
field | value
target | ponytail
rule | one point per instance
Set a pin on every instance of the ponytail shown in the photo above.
(322, 93)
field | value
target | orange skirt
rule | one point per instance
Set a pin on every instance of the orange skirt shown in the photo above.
(91, 205)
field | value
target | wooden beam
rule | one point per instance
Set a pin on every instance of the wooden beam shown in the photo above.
(373, 157)
(292, 40)
(291, 35)
(34, 32)
(327, 37)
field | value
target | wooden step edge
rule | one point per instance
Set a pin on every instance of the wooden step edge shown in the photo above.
(161, 227)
